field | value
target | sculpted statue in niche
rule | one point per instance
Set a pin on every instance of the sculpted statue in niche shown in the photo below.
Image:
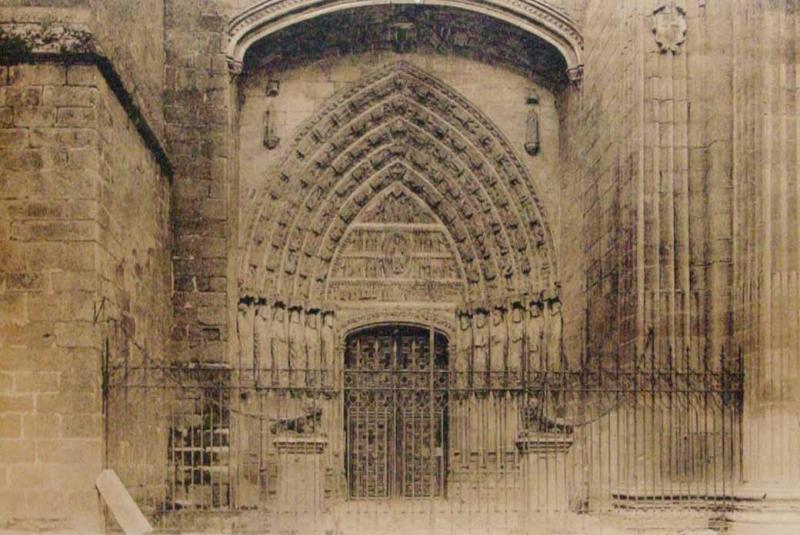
(532, 126)
(279, 345)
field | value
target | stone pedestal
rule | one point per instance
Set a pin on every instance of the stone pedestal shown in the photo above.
(301, 481)
(544, 467)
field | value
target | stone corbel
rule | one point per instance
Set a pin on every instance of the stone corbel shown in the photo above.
(575, 76)
(235, 67)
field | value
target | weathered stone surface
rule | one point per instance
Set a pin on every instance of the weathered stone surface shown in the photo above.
(60, 295)
(665, 182)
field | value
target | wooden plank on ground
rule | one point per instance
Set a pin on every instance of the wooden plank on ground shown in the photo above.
(122, 506)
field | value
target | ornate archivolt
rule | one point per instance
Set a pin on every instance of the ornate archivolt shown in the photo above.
(399, 202)
(399, 183)
(536, 17)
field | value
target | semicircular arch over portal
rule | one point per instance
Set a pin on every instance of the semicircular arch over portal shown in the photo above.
(536, 17)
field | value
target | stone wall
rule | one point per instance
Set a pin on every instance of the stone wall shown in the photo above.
(656, 183)
(687, 162)
(766, 213)
(196, 94)
(83, 234)
(129, 34)
(135, 284)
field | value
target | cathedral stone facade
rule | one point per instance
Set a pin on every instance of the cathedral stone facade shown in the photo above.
(430, 266)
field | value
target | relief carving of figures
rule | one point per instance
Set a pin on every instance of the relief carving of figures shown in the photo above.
(279, 345)
(245, 329)
(261, 342)
(499, 344)
(481, 349)
(532, 126)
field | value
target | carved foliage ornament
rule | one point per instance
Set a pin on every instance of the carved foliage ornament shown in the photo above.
(669, 27)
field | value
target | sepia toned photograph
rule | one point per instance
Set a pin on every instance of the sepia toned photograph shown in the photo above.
(400, 267)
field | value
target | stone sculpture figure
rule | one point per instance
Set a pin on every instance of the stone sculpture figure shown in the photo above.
(262, 360)
(279, 345)
(463, 363)
(517, 345)
(535, 330)
(499, 344)
(296, 343)
(553, 335)
(312, 347)
(245, 330)
(327, 347)
(480, 349)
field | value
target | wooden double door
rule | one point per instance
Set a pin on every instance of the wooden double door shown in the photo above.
(396, 412)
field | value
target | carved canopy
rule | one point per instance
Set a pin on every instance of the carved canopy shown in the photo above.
(401, 183)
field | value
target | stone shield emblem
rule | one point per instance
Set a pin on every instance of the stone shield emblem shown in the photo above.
(669, 27)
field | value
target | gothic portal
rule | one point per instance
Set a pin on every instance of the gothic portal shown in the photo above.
(399, 266)
(399, 296)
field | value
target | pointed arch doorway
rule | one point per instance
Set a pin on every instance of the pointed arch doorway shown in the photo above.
(395, 402)
(394, 270)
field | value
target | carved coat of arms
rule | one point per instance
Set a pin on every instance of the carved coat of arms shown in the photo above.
(669, 27)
